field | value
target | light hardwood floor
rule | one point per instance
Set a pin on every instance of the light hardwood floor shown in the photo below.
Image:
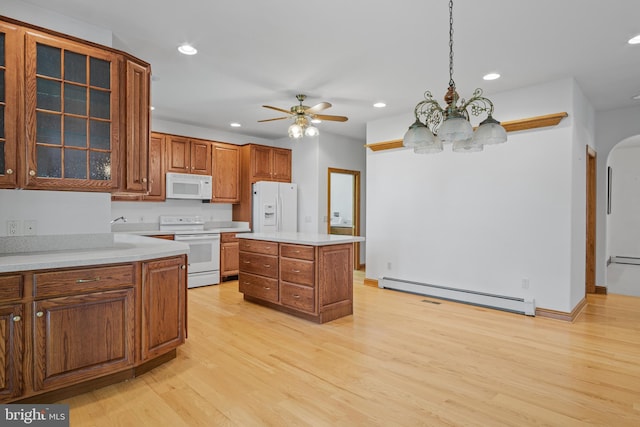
(398, 361)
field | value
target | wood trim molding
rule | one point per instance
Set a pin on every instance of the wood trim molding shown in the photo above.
(601, 290)
(370, 282)
(510, 126)
(561, 315)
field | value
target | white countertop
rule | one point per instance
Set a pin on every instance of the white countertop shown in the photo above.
(315, 239)
(121, 248)
(152, 229)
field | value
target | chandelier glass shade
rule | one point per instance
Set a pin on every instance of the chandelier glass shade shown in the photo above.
(436, 126)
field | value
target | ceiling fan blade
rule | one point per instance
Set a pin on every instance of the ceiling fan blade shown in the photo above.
(270, 120)
(317, 108)
(331, 118)
(277, 109)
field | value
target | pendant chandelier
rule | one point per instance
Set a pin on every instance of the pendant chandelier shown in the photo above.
(435, 126)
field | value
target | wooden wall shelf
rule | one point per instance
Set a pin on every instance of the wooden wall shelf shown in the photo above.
(510, 126)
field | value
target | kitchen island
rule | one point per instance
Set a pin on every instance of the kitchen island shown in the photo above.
(302, 274)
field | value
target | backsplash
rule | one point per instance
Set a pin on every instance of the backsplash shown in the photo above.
(149, 212)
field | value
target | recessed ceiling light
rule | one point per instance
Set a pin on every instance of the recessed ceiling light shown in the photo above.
(235, 125)
(187, 49)
(637, 97)
(491, 76)
(634, 40)
(316, 121)
(379, 105)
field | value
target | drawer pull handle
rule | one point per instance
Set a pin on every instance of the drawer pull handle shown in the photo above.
(296, 296)
(247, 262)
(267, 265)
(39, 314)
(296, 271)
(95, 279)
(17, 318)
(266, 287)
(296, 252)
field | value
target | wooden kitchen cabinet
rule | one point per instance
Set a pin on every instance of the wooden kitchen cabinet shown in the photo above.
(311, 282)
(157, 169)
(164, 287)
(259, 163)
(229, 255)
(10, 104)
(83, 324)
(187, 155)
(226, 173)
(11, 350)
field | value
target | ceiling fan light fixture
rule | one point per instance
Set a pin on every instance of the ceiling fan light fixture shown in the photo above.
(311, 131)
(316, 121)
(295, 131)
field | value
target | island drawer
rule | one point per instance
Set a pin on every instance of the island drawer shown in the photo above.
(264, 265)
(258, 287)
(10, 287)
(297, 271)
(297, 251)
(298, 297)
(66, 282)
(258, 246)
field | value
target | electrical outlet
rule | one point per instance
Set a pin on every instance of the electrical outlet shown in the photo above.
(30, 227)
(13, 227)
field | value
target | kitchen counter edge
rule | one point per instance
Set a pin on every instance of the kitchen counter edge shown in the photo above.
(313, 239)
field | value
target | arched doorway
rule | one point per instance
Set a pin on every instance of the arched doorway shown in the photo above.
(623, 218)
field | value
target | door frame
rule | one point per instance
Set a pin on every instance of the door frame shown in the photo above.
(590, 244)
(356, 209)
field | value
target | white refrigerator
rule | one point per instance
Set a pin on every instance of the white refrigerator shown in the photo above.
(275, 207)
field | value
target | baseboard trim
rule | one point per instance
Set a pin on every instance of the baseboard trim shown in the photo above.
(561, 315)
(371, 282)
(601, 290)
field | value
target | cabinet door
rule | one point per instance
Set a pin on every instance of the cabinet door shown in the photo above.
(164, 286)
(82, 336)
(137, 122)
(11, 351)
(229, 259)
(178, 154)
(226, 173)
(281, 165)
(157, 181)
(9, 107)
(260, 163)
(72, 114)
(200, 157)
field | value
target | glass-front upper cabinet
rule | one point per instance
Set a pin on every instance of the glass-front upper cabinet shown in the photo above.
(72, 114)
(8, 105)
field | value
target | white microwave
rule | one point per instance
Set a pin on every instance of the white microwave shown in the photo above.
(189, 186)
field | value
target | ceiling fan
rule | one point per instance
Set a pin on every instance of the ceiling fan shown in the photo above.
(302, 115)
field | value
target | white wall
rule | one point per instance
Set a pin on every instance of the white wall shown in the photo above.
(56, 212)
(23, 11)
(483, 221)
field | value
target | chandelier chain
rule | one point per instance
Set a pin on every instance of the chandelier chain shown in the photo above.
(451, 82)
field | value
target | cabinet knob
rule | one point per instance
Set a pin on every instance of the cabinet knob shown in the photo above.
(184, 267)
(32, 173)
(39, 314)
(144, 179)
(9, 171)
(17, 318)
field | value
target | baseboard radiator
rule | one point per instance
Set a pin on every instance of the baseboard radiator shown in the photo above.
(481, 299)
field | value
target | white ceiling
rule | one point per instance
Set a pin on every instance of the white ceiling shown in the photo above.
(353, 53)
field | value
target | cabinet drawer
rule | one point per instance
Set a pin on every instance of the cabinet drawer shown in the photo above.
(83, 280)
(264, 265)
(258, 246)
(298, 297)
(297, 251)
(259, 287)
(10, 287)
(228, 238)
(297, 271)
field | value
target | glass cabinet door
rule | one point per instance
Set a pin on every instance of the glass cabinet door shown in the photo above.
(8, 105)
(72, 114)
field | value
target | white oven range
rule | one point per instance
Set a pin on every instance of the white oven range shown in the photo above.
(204, 248)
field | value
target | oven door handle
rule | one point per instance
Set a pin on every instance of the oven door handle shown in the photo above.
(183, 237)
